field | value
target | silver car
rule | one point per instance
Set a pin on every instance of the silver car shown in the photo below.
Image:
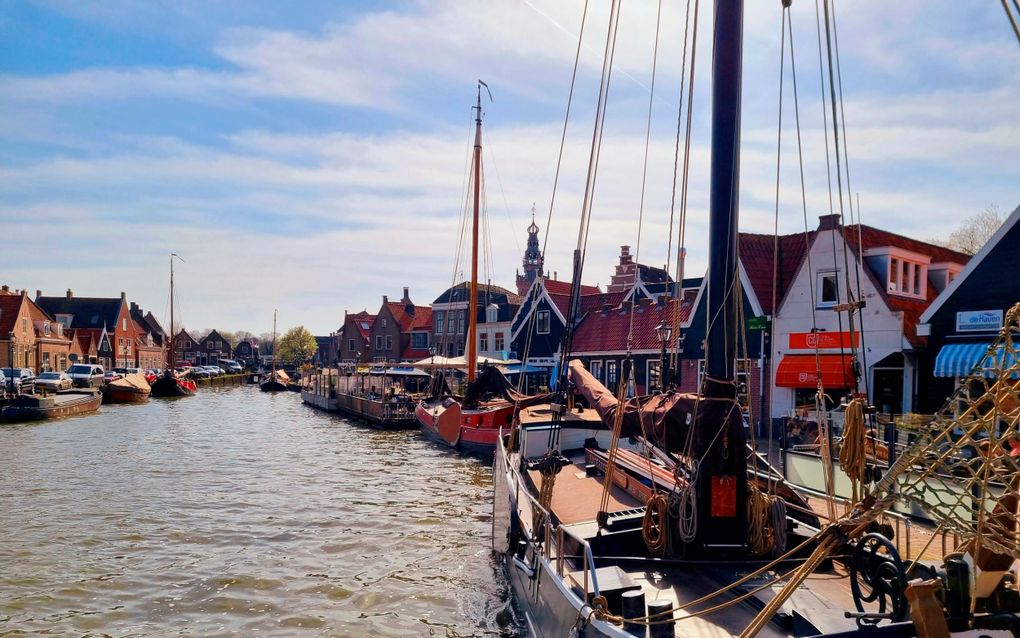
(53, 381)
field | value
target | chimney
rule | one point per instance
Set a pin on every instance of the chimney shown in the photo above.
(24, 292)
(625, 255)
(123, 296)
(38, 293)
(828, 222)
(407, 299)
(5, 288)
(134, 307)
(385, 300)
(70, 295)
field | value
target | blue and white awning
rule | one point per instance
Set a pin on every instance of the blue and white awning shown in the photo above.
(959, 359)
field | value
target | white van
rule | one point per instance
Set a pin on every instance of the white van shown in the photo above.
(86, 375)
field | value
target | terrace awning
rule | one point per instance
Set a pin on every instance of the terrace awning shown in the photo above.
(801, 371)
(959, 359)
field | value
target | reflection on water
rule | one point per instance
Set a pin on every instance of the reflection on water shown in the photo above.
(241, 512)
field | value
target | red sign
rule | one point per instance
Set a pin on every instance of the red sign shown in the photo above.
(822, 340)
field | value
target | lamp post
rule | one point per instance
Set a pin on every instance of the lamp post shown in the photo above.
(10, 362)
(663, 331)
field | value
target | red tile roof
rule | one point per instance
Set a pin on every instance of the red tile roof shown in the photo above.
(362, 322)
(912, 309)
(608, 332)
(757, 253)
(557, 287)
(10, 307)
(422, 319)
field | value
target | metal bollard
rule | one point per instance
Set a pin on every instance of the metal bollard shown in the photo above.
(633, 603)
(665, 624)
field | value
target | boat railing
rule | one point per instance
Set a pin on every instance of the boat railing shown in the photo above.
(551, 542)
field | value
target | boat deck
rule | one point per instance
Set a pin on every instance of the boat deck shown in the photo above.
(576, 496)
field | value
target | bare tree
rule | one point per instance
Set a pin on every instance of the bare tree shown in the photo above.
(975, 231)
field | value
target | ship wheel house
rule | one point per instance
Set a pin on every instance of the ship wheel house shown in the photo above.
(895, 278)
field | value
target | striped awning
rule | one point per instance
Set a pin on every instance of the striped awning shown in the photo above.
(959, 359)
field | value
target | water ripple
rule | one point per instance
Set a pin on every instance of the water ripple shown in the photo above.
(241, 513)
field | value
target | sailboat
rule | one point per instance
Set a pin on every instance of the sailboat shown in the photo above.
(652, 516)
(170, 384)
(277, 379)
(472, 423)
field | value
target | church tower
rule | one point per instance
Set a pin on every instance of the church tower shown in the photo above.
(533, 261)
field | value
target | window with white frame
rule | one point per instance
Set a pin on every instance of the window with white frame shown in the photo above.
(612, 375)
(492, 314)
(654, 376)
(451, 322)
(483, 342)
(542, 321)
(419, 340)
(499, 342)
(827, 289)
(460, 322)
(907, 277)
(440, 318)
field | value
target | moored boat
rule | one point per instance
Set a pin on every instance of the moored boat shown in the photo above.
(132, 388)
(276, 380)
(29, 407)
(170, 384)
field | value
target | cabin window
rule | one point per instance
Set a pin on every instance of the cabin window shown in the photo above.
(543, 322)
(483, 342)
(439, 322)
(612, 375)
(595, 367)
(499, 345)
(378, 342)
(828, 289)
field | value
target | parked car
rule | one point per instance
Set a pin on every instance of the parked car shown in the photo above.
(86, 375)
(231, 366)
(195, 372)
(53, 381)
(214, 371)
(24, 380)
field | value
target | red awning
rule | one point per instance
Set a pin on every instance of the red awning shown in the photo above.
(801, 371)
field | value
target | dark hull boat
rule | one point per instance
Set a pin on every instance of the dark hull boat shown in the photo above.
(169, 386)
(272, 385)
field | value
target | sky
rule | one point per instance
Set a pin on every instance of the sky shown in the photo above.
(310, 156)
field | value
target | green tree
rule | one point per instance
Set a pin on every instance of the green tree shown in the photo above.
(297, 346)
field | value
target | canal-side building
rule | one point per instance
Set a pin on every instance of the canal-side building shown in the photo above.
(29, 337)
(450, 314)
(391, 332)
(110, 315)
(185, 349)
(213, 348)
(150, 340)
(355, 345)
(896, 277)
(962, 321)
(419, 335)
(247, 351)
(85, 345)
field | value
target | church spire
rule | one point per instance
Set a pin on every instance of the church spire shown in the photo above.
(533, 261)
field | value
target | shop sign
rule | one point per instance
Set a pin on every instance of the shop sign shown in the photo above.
(978, 320)
(823, 340)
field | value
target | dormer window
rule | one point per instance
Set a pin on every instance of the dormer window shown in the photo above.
(907, 277)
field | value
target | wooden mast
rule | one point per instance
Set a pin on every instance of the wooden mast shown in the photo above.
(170, 366)
(273, 377)
(720, 440)
(472, 346)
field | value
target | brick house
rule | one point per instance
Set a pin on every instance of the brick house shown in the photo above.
(29, 336)
(247, 350)
(185, 348)
(355, 345)
(212, 349)
(110, 316)
(150, 340)
(400, 331)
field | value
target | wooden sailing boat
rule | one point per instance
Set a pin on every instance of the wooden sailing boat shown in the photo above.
(472, 423)
(170, 384)
(643, 517)
(277, 379)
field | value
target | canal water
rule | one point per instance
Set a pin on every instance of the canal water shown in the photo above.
(236, 512)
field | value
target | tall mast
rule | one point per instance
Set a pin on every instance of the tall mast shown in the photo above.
(473, 304)
(720, 439)
(171, 365)
(274, 341)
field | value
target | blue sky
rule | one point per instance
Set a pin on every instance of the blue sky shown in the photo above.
(309, 156)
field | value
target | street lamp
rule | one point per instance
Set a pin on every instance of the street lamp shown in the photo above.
(663, 331)
(10, 362)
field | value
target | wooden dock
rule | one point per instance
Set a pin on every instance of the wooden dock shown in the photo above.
(225, 380)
